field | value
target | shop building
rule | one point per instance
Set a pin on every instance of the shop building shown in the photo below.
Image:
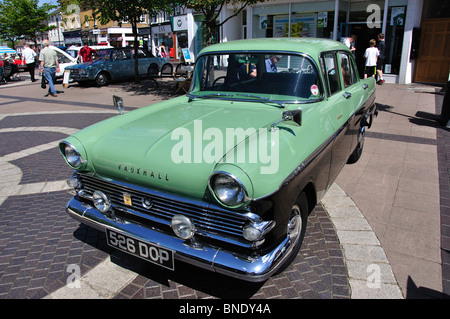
(400, 21)
(432, 49)
(173, 32)
(56, 35)
(81, 27)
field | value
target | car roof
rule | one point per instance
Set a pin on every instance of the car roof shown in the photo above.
(311, 46)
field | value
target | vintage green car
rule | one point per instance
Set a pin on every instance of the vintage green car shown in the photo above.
(224, 177)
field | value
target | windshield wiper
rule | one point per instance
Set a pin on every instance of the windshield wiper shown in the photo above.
(265, 99)
(205, 96)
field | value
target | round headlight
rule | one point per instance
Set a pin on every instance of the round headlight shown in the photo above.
(101, 201)
(73, 157)
(228, 190)
(182, 227)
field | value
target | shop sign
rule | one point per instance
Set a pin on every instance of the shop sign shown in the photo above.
(161, 29)
(179, 23)
(322, 19)
(397, 15)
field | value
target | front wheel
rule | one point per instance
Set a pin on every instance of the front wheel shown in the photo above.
(296, 228)
(102, 79)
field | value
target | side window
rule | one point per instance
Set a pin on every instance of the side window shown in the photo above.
(331, 72)
(141, 54)
(348, 72)
(124, 55)
(62, 58)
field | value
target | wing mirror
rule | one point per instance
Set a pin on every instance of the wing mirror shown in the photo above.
(295, 116)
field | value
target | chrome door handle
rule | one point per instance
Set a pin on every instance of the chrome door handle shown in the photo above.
(365, 86)
(347, 95)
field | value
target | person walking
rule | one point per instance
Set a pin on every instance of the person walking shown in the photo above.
(86, 53)
(29, 58)
(50, 65)
(380, 63)
(371, 56)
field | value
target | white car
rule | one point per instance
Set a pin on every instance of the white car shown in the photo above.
(74, 50)
(64, 60)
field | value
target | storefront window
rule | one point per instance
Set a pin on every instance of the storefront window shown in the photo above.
(436, 9)
(200, 34)
(182, 43)
(314, 19)
(394, 39)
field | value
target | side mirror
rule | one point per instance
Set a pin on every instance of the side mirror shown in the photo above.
(118, 103)
(295, 116)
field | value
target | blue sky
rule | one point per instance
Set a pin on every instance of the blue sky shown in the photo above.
(55, 2)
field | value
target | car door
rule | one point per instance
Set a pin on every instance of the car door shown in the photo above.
(340, 110)
(142, 62)
(123, 66)
(355, 91)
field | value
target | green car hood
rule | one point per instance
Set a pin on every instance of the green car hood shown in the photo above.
(150, 146)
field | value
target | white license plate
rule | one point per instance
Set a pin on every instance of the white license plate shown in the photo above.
(150, 252)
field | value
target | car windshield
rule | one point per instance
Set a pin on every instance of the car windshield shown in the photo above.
(105, 53)
(271, 76)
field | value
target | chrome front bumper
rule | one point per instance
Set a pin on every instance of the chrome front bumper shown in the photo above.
(244, 267)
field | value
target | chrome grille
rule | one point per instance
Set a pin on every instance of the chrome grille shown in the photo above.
(209, 221)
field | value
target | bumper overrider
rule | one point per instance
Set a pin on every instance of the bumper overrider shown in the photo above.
(249, 268)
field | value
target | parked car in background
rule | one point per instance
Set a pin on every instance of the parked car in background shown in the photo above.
(225, 176)
(115, 64)
(21, 65)
(65, 60)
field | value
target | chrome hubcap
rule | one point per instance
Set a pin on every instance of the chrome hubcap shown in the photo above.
(294, 226)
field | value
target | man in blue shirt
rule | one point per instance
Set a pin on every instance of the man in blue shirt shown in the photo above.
(271, 63)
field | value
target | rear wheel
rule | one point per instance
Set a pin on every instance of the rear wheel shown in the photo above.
(167, 69)
(355, 156)
(152, 71)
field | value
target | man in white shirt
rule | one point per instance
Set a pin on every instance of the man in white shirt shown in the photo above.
(371, 56)
(28, 57)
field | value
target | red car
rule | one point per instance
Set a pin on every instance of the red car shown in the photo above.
(20, 64)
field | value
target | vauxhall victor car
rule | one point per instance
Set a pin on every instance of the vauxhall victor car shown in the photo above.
(115, 64)
(225, 176)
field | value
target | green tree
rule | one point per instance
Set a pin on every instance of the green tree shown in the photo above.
(24, 18)
(211, 10)
(126, 11)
